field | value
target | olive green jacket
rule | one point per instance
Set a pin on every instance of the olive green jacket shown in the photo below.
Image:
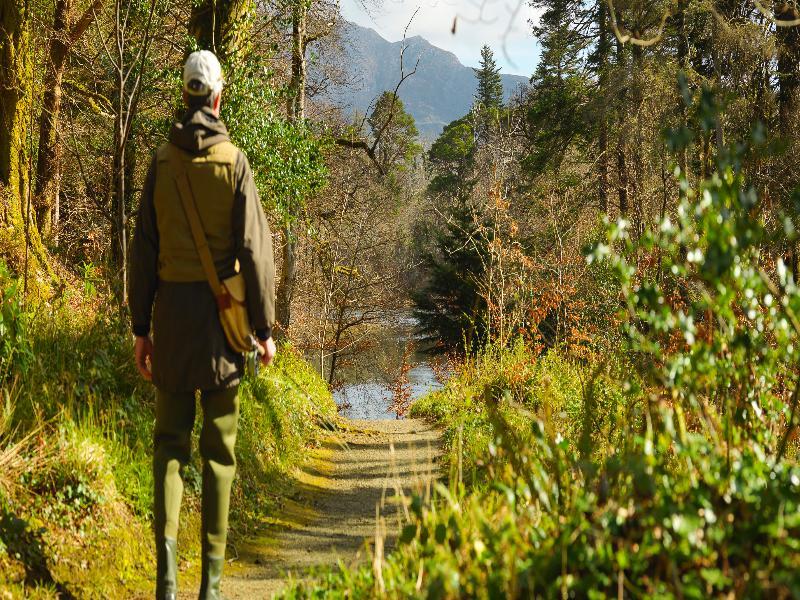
(168, 288)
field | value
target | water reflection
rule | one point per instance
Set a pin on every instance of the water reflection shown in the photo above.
(373, 400)
(366, 393)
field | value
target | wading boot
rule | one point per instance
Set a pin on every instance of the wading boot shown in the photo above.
(211, 578)
(167, 570)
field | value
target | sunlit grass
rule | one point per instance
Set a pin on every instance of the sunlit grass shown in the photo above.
(76, 426)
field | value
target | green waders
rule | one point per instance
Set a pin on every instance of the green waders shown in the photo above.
(175, 414)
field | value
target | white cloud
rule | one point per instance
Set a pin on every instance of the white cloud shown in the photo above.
(502, 24)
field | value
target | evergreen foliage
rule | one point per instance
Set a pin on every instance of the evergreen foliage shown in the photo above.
(561, 86)
(451, 160)
(489, 95)
(287, 158)
(448, 305)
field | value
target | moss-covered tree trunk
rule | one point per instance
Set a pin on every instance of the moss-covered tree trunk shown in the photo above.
(19, 240)
(16, 81)
(221, 26)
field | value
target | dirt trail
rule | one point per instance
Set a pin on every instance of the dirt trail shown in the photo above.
(333, 512)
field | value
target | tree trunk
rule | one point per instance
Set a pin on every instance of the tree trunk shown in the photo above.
(622, 167)
(18, 234)
(48, 164)
(683, 63)
(221, 26)
(295, 110)
(283, 304)
(335, 355)
(297, 87)
(622, 179)
(119, 249)
(788, 49)
(788, 39)
(16, 81)
(636, 149)
(603, 49)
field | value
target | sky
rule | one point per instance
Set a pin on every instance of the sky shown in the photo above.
(502, 24)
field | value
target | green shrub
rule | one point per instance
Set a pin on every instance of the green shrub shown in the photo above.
(672, 476)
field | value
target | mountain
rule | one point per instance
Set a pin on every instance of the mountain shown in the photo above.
(440, 91)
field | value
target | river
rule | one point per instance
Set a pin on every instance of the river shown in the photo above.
(366, 392)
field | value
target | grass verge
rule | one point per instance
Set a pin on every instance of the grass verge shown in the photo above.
(75, 450)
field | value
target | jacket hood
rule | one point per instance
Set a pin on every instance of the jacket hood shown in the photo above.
(198, 130)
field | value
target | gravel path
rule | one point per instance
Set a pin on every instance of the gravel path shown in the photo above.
(354, 473)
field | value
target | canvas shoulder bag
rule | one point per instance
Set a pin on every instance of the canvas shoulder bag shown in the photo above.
(229, 293)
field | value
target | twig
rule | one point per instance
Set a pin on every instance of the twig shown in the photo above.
(361, 144)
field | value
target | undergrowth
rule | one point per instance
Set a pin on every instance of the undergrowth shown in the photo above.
(76, 448)
(665, 470)
(522, 386)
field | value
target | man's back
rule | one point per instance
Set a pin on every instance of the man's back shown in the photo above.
(212, 180)
(190, 350)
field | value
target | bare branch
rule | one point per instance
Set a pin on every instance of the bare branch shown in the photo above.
(624, 38)
(771, 17)
(360, 144)
(370, 149)
(82, 24)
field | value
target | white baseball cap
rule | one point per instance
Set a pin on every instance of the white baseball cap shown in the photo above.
(202, 74)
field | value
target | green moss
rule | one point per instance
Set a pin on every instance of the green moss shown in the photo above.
(67, 529)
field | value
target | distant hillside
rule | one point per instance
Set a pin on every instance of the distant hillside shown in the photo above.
(440, 91)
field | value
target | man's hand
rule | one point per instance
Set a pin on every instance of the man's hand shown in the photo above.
(143, 351)
(268, 350)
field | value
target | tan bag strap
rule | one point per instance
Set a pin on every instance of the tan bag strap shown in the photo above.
(200, 240)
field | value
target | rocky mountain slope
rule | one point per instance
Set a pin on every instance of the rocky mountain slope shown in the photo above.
(440, 91)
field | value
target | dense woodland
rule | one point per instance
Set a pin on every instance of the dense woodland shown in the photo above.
(608, 262)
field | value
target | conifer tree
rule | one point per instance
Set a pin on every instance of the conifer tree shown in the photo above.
(448, 304)
(451, 161)
(560, 84)
(490, 85)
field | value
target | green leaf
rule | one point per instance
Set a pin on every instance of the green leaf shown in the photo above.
(409, 533)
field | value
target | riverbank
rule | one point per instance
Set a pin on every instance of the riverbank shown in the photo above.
(368, 387)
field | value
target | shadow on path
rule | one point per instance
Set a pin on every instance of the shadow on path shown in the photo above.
(332, 515)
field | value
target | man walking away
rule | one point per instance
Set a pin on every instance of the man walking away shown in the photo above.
(189, 350)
